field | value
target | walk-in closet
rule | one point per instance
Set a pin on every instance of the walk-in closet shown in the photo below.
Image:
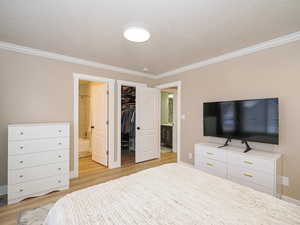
(128, 118)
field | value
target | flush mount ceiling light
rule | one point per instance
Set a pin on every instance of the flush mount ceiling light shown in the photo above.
(136, 34)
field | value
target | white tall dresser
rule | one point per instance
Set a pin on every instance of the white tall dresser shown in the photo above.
(38, 159)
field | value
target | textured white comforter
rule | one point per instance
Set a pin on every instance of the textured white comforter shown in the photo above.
(171, 194)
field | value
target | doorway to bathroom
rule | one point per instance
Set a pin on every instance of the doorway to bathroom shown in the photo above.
(93, 116)
(93, 121)
(168, 125)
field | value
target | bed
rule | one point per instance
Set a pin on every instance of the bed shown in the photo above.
(171, 194)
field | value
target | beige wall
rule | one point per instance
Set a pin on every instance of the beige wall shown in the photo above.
(30, 92)
(36, 89)
(270, 73)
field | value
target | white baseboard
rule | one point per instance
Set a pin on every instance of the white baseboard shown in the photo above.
(186, 164)
(73, 174)
(3, 189)
(291, 200)
(114, 165)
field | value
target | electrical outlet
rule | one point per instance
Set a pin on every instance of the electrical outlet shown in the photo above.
(190, 155)
(285, 181)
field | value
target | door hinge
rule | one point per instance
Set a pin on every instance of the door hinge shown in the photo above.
(107, 152)
(107, 122)
(107, 92)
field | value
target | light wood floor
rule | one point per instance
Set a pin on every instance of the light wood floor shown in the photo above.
(89, 174)
(88, 166)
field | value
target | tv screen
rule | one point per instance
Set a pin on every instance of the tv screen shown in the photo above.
(251, 120)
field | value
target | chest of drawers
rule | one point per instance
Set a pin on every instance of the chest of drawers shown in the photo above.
(256, 169)
(38, 159)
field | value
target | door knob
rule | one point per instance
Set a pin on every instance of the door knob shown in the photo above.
(92, 127)
(138, 128)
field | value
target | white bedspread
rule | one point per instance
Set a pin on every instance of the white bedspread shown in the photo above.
(171, 194)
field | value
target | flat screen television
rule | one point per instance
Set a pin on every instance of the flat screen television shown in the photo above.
(248, 120)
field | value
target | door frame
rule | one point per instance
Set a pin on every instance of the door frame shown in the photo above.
(178, 85)
(110, 131)
(121, 83)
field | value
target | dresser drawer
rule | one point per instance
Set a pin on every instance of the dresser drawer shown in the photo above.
(38, 145)
(36, 187)
(37, 159)
(34, 173)
(213, 167)
(254, 186)
(252, 176)
(37, 132)
(245, 160)
(211, 153)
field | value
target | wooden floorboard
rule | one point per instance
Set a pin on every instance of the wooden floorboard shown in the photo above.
(90, 174)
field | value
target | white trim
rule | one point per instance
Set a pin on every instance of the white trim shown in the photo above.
(241, 52)
(3, 189)
(119, 84)
(50, 55)
(111, 116)
(73, 174)
(186, 164)
(291, 200)
(178, 85)
(244, 51)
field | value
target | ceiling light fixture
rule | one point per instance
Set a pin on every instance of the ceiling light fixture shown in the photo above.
(136, 34)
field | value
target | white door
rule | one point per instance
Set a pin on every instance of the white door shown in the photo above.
(147, 123)
(99, 122)
(174, 132)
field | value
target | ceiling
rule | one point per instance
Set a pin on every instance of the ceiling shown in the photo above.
(182, 32)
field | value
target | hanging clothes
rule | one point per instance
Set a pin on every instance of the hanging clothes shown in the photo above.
(128, 119)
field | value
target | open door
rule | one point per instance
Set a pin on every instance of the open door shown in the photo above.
(99, 122)
(174, 132)
(147, 124)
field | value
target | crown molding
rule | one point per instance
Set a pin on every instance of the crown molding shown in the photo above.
(241, 52)
(50, 55)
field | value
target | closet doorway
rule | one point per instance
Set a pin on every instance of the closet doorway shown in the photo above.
(93, 124)
(138, 123)
(128, 121)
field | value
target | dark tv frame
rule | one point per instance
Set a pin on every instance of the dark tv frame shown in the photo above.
(244, 140)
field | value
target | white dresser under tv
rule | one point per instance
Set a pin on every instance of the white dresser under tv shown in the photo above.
(38, 159)
(259, 170)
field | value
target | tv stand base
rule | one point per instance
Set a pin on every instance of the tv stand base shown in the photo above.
(226, 143)
(248, 148)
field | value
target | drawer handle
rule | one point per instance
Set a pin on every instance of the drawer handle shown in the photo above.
(209, 153)
(21, 147)
(59, 143)
(59, 181)
(59, 168)
(209, 164)
(59, 156)
(21, 133)
(247, 175)
(21, 190)
(21, 176)
(21, 161)
(59, 131)
(248, 162)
